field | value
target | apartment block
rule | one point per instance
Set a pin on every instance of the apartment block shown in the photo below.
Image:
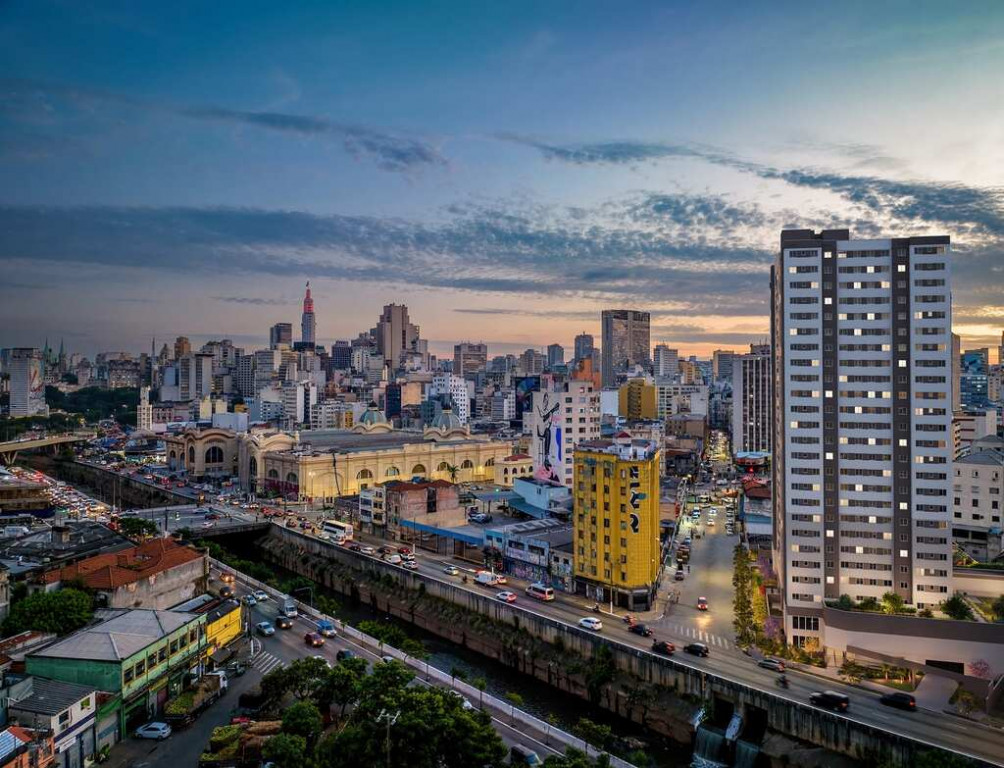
(751, 401)
(862, 401)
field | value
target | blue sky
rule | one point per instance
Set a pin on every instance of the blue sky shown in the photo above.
(507, 170)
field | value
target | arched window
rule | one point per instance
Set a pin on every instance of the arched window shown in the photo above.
(214, 455)
(273, 474)
(443, 467)
(393, 472)
(172, 455)
(490, 463)
(191, 455)
(505, 471)
(253, 467)
(292, 479)
(364, 474)
(418, 469)
(468, 464)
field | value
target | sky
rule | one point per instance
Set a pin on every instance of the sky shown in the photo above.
(507, 170)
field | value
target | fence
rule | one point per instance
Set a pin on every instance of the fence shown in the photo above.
(433, 674)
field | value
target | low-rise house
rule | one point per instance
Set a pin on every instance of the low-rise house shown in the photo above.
(25, 748)
(68, 711)
(141, 656)
(977, 496)
(155, 574)
(434, 503)
(57, 546)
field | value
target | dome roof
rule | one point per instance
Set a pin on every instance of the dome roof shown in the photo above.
(373, 415)
(446, 420)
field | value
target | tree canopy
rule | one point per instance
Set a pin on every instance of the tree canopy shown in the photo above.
(137, 527)
(59, 612)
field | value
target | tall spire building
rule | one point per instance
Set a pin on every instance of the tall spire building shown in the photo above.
(308, 323)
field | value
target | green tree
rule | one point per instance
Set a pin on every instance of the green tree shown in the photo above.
(600, 671)
(137, 527)
(957, 608)
(892, 603)
(452, 470)
(286, 750)
(394, 636)
(742, 603)
(576, 758)
(482, 685)
(303, 719)
(997, 606)
(60, 612)
(593, 733)
(343, 684)
(515, 701)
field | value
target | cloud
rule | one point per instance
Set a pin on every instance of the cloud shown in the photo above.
(33, 102)
(614, 152)
(253, 300)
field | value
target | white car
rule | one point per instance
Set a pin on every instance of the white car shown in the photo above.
(591, 623)
(451, 570)
(368, 551)
(159, 731)
(260, 594)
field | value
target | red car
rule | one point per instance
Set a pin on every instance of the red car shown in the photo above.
(313, 639)
(702, 603)
(403, 551)
(664, 647)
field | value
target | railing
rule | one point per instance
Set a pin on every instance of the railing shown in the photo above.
(511, 713)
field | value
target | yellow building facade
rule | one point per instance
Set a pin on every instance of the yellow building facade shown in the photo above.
(616, 521)
(637, 400)
(223, 625)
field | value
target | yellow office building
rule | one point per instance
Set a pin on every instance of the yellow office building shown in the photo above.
(637, 400)
(616, 517)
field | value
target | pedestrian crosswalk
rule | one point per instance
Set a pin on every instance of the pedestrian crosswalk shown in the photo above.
(697, 635)
(265, 662)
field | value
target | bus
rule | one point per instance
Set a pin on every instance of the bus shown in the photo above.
(540, 592)
(337, 530)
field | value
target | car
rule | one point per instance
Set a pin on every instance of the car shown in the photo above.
(250, 600)
(640, 629)
(830, 700)
(393, 559)
(702, 603)
(464, 701)
(591, 623)
(326, 628)
(772, 663)
(900, 700)
(387, 659)
(226, 591)
(321, 658)
(283, 622)
(664, 647)
(159, 731)
(344, 655)
(352, 546)
(264, 628)
(313, 639)
(521, 755)
(386, 550)
(227, 578)
(696, 649)
(367, 550)
(451, 570)
(411, 565)
(506, 597)
(260, 595)
(711, 522)
(679, 576)
(403, 551)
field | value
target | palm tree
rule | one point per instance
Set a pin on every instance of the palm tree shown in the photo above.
(452, 470)
(481, 684)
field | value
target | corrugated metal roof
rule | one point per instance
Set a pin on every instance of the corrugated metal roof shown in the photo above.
(119, 637)
(50, 697)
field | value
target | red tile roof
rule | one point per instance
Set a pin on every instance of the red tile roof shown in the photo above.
(116, 569)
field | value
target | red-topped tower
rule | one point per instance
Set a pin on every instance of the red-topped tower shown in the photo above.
(308, 323)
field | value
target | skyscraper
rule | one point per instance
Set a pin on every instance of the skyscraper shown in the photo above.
(394, 333)
(583, 346)
(308, 324)
(751, 401)
(625, 342)
(281, 334)
(862, 418)
(555, 355)
(667, 362)
(27, 386)
(721, 364)
(469, 358)
(974, 378)
(182, 347)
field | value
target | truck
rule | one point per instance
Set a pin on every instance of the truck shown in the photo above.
(486, 579)
(189, 704)
(289, 608)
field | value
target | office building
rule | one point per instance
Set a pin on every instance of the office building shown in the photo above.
(555, 356)
(281, 334)
(638, 399)
(182, 347)
(956, 372)
(974, 378)
(751, 400)
(341, 356)
(666, 364)
(144, 411)
(673, 399)
(721, 364)
(531, 363)
(583, 347)
(308, 323)
(394, 334)
(27, 385)
(970, 426)
(862, 401)
(469, 358)
(616, 521)
(625, 342)
(455, 387)
(195, 376)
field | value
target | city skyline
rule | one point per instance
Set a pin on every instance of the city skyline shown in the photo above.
(577, 161)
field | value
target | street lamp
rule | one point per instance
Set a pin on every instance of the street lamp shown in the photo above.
(386, 717)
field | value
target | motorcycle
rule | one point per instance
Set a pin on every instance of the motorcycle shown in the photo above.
(596, 608)
(629, 619)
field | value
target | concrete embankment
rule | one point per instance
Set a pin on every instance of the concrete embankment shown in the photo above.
(103, 484)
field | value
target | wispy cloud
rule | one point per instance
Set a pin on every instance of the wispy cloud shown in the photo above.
(253, 300)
